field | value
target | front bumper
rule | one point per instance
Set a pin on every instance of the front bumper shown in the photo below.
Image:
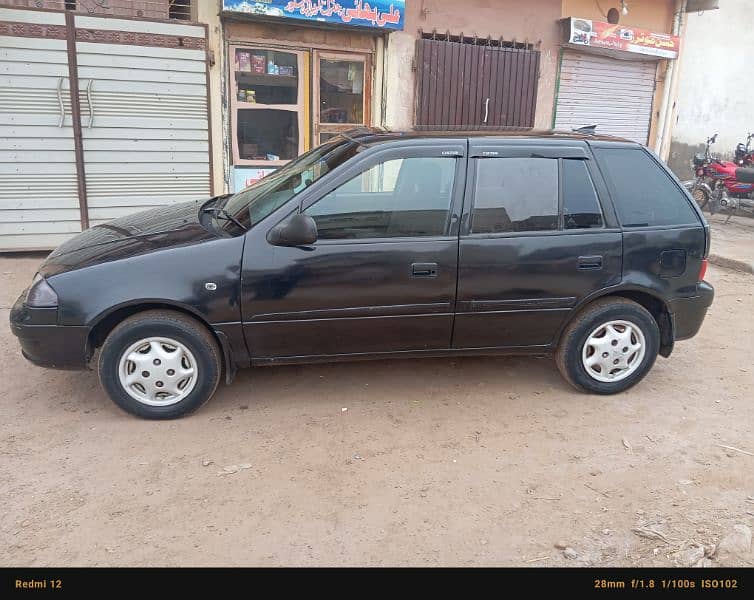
(688, 313)
(45, 343)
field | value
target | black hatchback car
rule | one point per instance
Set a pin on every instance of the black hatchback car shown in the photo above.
(385, 245)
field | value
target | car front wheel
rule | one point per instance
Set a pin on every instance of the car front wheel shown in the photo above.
(609, 347)
(159, 365)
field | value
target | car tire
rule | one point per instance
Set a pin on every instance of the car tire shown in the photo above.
(160, 364)
(591, 361)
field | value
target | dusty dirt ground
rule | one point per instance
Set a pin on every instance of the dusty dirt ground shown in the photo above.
(436, 462)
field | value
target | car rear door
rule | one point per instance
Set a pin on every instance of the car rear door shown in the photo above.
(381, 278)
(535, 241)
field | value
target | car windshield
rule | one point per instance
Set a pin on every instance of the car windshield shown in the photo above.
(254, 203)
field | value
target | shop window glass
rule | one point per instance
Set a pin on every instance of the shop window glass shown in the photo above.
(341, 91)
(266, 76)
(267, 134)
(326, 136)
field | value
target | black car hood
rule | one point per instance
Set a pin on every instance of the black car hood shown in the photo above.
(139, 233)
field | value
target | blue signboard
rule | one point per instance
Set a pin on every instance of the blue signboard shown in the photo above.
(377, 14)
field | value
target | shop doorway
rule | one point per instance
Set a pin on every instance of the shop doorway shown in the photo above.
(341, 93)
(287, 100)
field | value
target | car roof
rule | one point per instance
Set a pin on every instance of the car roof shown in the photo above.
(374, 135)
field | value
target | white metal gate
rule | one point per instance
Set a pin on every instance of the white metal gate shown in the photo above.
(144, 121)
(144, 117)
(616, 95)
(39, 201)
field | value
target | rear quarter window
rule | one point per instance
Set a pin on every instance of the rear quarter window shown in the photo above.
(643, 194)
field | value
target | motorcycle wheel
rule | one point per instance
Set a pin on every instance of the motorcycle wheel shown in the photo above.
(701, 197)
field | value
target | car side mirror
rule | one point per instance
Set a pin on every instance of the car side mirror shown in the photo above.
(299, 230)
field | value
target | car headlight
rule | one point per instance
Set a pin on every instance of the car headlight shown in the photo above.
(41, 294)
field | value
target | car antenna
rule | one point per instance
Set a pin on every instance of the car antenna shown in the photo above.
(586, 129)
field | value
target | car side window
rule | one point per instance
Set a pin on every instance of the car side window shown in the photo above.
(643, 194)
(515, 194)
(581, 208)
(405, 197)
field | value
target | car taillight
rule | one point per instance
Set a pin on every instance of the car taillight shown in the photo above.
(703, 269)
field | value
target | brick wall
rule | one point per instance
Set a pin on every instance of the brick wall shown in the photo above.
(148, 9)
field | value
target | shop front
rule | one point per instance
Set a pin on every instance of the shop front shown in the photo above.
(607, 77)
(299, 72)
(473, 65)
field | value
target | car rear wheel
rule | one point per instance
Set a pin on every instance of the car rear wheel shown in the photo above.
(159, 365)
(609, 347)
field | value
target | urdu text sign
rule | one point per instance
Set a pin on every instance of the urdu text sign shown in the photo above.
(375, 14)
(596, 34)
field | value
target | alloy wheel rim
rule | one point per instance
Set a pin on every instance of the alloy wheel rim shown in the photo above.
(613, 351)
(157, 371)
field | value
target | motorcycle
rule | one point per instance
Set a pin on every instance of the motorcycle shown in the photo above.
(744, 155)
(723, 185)
(701, 188)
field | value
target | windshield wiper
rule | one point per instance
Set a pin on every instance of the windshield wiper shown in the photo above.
(224, 214)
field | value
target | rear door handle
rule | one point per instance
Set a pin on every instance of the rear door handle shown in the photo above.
(424, 269)
(590, 263)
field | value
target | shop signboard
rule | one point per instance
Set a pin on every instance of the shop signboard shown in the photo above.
(597, 34)
(376, 14)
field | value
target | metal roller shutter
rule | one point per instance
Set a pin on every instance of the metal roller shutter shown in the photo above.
(144, 133)
(144, 117)
(616, 95)
(39, 202)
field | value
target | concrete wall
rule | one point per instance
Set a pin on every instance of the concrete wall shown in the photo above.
(714, 93)
(655, 15)
(532, 21)
(148, 9)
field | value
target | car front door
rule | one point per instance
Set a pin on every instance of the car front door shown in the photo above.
(534, 242)
(381, 277)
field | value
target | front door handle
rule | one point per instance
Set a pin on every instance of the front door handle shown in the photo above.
(424, 270)
(590, 263)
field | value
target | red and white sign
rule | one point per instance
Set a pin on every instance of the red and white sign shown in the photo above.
(597, 34)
